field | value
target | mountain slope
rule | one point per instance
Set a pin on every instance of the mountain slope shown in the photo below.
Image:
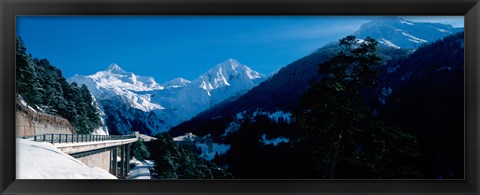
(399, 33)
(426, 94)
(282, 91)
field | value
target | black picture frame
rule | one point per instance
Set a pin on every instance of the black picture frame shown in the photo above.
(11, 8)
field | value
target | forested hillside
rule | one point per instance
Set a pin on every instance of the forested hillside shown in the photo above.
(427, 99)
(44, 88)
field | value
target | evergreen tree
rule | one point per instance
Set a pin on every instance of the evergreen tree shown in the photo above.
(26, 76)
(139, 150)
(42, 85)
(175, 161)
(342, 134)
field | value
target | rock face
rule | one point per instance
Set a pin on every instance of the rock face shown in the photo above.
(138, 103)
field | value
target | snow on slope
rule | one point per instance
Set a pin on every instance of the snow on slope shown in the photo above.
(39, 160)
(400, 33)
(115, 81)
(172, 102)
(176, 83)
(208, 154)
(273, 141)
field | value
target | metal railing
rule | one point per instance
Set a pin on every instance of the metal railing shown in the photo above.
(75, 138)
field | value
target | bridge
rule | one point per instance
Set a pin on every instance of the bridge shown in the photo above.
(109, 152)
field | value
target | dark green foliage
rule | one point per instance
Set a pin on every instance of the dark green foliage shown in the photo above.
(339, 132)
(174, 161)
(139, 150)
(250, 158)
(429, 103)
(42, 85)
(27, 82)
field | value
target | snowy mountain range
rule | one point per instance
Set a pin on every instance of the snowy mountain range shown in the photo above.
(138, 103)
(400, 33)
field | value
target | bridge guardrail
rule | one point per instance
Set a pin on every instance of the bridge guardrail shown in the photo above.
(75, 138)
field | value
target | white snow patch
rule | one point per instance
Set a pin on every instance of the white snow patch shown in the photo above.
(208, 154)
(187, 137)
(24, 103)
(240, 115)
(413, 38)
(274, 141)
(39, 160)
(448, 68)
(406, 22)
(280, 114)
(233, 127)
(444, 31)
(389, 43)
(273, 116)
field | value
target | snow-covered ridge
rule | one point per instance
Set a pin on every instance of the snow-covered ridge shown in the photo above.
(115, 77)
(225, 73)
(176, 83)
(400, 33)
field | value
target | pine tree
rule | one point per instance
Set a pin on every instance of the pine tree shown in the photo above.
(339, 131)
(175, 161)
(26, 76)
(139, 150)
(42, 85)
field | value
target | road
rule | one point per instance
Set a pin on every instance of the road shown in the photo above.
(141, 169)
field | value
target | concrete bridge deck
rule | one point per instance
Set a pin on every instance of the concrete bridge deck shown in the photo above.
(74, 148)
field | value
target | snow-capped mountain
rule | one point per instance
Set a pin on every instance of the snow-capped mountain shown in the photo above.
(227, 78)
(138, 103)
(400, 33)
(217, 84)
(114, 82)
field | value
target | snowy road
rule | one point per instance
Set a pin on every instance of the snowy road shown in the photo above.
(141, 169)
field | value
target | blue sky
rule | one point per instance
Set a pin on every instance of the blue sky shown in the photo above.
(167, 47)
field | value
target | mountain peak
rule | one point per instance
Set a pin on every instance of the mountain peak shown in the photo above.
(230, 64)
(232, 68)
(115, 68)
